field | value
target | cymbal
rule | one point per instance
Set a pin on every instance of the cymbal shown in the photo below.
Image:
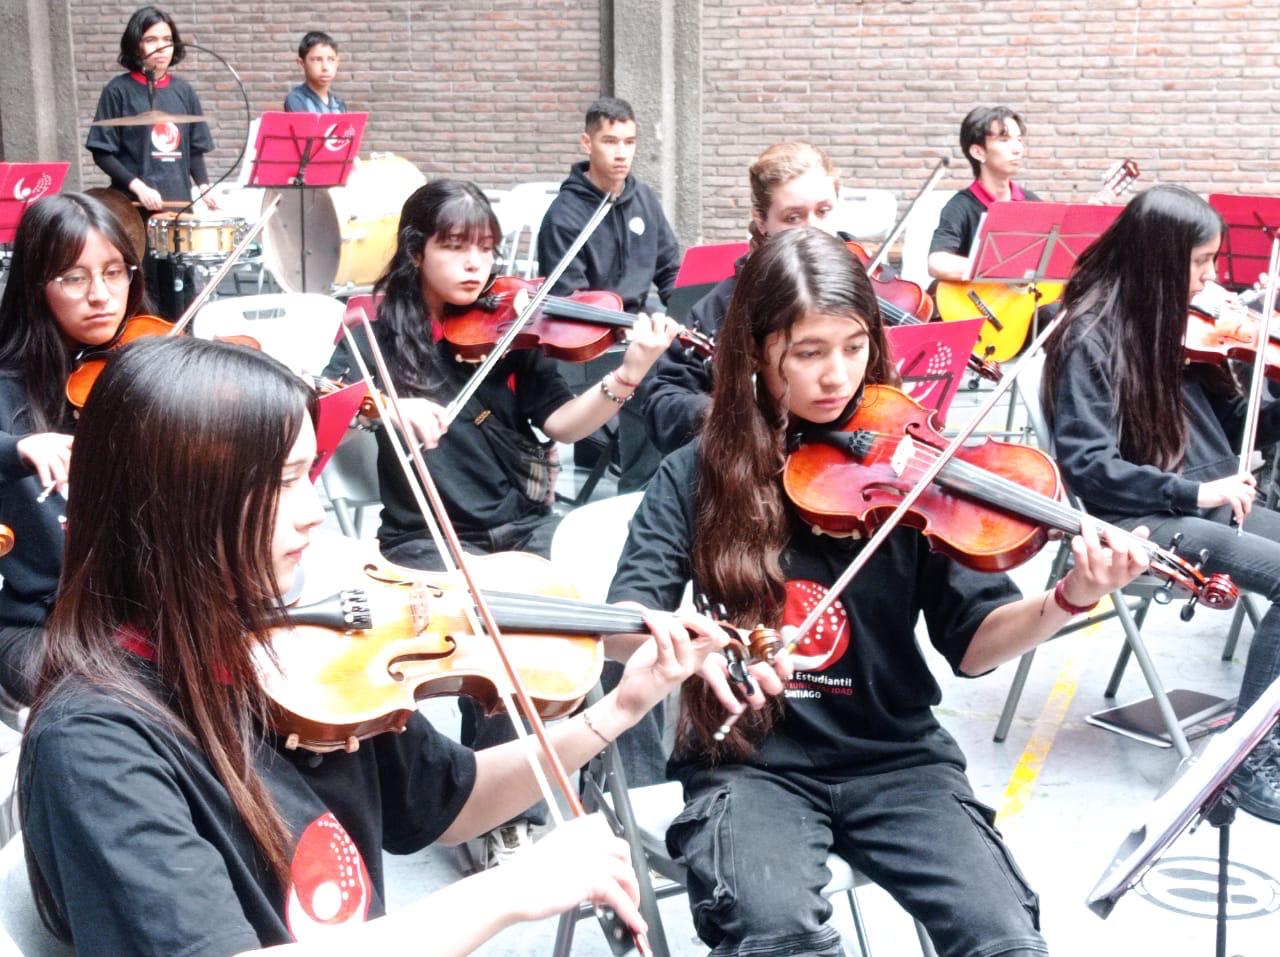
(150, 118)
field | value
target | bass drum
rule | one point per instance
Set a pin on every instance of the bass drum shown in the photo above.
(351, 230)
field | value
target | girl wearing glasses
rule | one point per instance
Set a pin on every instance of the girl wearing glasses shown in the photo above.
(72, 281)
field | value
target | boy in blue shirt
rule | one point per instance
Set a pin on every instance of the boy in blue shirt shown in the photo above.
(318, 57)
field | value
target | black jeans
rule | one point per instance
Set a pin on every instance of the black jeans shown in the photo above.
(1252, 559)
(530, 534)
(756, 843)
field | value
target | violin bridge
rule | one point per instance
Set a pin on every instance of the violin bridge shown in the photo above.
(420, 608)
(902, 455)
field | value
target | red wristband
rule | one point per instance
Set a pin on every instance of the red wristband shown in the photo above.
(1060, 599)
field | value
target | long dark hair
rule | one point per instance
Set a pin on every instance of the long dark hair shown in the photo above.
(743, 524)
(1132, 287)
(443, 207)
(143, 19)
(51, 235)
(170, 517)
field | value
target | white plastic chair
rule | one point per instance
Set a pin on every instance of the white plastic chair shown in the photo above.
(296, 328)
(866, 214)
(520, 210)
(919, 234)
(589, 540)
(18, 916)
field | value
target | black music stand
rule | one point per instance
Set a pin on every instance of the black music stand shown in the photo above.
(1252, 223)
(305, 151)
(1201, 791)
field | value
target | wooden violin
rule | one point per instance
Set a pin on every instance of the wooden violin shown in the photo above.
(89, 363)
(1220, 327)
(992, 507)
(575, 328)
(355, 664)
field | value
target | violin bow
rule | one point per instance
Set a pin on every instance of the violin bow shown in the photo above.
(443, 527)
(883, 252)
(525, 315)
(1250, 439)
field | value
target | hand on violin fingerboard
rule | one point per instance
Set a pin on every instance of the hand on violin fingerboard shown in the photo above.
(49, 456)
(1103, 565)
(650, 337)
(768, 679)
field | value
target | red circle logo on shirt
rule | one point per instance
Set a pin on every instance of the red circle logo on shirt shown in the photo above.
(166, 137)
(829, 638)
(330, 885)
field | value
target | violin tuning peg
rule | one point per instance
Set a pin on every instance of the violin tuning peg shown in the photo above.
(1175, 542)
(721, 612)
(1189, 609)
(701, 603)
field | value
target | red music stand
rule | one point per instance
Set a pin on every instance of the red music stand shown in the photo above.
(1028, 242)
(301, 151)
(931, 357)
(1252, 223)
(21, 184)
(336, 410)
(700, 270)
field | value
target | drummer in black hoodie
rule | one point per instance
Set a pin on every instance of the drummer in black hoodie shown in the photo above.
(632, 251)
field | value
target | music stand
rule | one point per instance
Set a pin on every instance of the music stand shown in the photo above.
(21, 184)
(1252, 223)
(700, 270)
(1028, 242)
(1200, 792)
(931, 358)
(303, 151)
(334, 414)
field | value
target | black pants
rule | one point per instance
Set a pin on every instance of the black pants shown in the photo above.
(756, 843)
(529, 534)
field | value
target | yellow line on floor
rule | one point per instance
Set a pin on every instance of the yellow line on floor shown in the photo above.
(1048, 723)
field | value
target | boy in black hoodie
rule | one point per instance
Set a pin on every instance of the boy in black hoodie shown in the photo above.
(633, 250)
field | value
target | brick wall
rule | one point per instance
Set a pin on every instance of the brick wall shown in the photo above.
(493, 90)
(488, 90)
(1190, 89)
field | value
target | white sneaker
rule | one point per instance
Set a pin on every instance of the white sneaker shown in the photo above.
(502, 843)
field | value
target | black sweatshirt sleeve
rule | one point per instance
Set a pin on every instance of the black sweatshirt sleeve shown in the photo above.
(199, 172)
(110, 164)
(668, 260)
(1087, 447)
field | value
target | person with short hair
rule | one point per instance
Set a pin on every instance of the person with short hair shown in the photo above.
(991, 139)
(318, 57)
(630, 253)
(155, 163)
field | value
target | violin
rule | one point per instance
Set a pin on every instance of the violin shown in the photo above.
(1220, 327)
(903, 306)
(992, 507)
(6, 540)
(355, 664)
(575, 328)
(89, 362)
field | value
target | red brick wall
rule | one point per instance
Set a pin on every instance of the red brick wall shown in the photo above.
(489, 90)
(493, 90)
(1190, 89)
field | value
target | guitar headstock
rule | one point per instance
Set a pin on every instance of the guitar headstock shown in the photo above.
(1117, 180)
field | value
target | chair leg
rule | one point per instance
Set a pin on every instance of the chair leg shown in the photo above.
(564, 933)
(1233, 633)
(1117, 672)
(1156, 686)
(859, 928)
(1014, 696)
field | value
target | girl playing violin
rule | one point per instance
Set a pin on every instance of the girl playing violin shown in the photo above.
(161, 814)
(855, 761)
(72, 281)
(792, 184)
(1144, 438)
(493, 474)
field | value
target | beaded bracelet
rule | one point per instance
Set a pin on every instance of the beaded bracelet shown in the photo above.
(613, 397)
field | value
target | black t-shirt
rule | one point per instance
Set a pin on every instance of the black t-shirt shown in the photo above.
(30, 572)
(862, 697)
(467, 465)
(160, 155)
(958, 222)
(145, 854)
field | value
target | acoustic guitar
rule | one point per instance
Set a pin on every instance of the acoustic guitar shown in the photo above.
(1009, 308)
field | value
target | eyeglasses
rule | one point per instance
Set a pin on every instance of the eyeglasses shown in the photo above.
(75, 283)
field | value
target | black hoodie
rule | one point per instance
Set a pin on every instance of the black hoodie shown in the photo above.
(631, 250)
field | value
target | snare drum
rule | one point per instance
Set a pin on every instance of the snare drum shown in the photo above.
(193, 238)
(351, 230)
